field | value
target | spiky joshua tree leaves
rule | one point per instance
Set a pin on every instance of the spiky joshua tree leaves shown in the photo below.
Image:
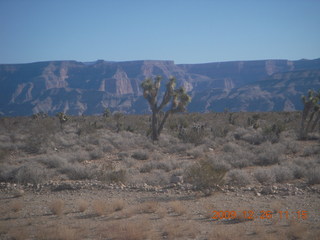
(178, 97)
(310, 114)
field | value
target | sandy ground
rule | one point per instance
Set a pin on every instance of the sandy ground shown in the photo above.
(158, 215)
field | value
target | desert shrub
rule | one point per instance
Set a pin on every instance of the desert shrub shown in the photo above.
(197, 152)
(114, 176)
(239, 159)
(220, 162)
(311, 150)
(53, 161)
(140, 155)
(76, 154)
(161, 166)
(29, 174)
(268, 155)
(6, 173)
(156, 178)
(107, 148)
(155, 165)
(204, 174)
(95, 154)
(219, 131)
(77, 172)
(4, 153)
(123, 155)
(238, 177)
(195, 134)
(297, 171)
(32, 144)
(282, 173)
(178, 148)
(272, 133)
(231, 147)
(249, 135)
(264, 176)
(291, 146)
(313, 176)
(146, 168)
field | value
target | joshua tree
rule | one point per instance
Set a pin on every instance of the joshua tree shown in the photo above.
(178, 97)
(107, 113)
(62, 118)
(117, 117)
(310, 114)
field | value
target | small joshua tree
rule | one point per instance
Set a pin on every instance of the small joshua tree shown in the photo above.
(118, 116)
(62, 118)
(310, 114)
(178, 97)
(107, 113)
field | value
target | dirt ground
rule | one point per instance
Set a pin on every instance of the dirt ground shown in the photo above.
(111, 213)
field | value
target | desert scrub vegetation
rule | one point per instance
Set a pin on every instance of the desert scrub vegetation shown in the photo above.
(207, 149)
(204, 174)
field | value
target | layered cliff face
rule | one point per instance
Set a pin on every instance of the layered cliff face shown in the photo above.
(87, 88)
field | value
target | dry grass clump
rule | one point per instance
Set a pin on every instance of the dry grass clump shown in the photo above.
(296, 230)
(148, 207)
(177, 208)
(99, 207)
(57, 207)
(161, 212)
(60, 232)
(19, 233)
(16, 206)
(228, 233)
(82, 205)
(207, 210)
(130, 231)
(117, 205)
(183, 230)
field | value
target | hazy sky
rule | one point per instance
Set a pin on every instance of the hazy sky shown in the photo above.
(186, 31)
